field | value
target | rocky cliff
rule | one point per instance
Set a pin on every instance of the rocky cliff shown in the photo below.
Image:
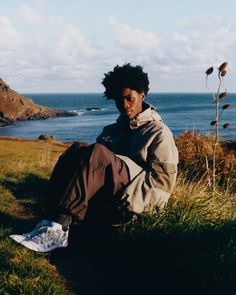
(15, 107)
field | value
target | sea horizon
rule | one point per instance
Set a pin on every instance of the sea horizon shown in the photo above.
(149, 93)
(180, 111)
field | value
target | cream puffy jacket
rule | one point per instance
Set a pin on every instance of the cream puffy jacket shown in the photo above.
(147, 146)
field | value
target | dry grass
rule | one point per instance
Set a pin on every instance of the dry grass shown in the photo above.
(196, 157)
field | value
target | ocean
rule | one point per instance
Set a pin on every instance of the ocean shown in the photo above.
(180, 111)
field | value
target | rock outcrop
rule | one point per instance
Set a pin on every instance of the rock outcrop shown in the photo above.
(15, 107)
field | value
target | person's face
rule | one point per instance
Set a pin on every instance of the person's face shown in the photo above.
(130, 102)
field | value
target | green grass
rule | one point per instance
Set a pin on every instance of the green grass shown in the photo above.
(188, 248)
(24, 170)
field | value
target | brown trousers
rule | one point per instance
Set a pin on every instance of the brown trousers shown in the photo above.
(86, 183)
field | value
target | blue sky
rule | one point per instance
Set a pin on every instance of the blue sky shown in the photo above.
(67, 46)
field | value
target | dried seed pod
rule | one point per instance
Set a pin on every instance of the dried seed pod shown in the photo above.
(223, 95)
(226, 125)
(226, 106)
(213, 123)
(223, 73)
(209, 71)
(223, 66)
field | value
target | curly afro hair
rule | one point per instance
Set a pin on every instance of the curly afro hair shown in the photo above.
(125, 76)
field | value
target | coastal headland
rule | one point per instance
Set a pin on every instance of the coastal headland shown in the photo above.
(16, 107)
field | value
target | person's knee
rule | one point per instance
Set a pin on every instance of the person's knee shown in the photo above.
(100, 149)
(78, 144)
(100, 155)
(75, 147)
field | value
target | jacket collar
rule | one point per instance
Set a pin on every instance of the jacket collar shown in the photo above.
(148, 114)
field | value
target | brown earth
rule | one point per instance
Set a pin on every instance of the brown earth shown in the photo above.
(16, 107)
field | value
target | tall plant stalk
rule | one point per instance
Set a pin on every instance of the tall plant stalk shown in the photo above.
(218, 97)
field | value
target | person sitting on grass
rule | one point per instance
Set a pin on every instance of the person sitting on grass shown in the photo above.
(131, 169)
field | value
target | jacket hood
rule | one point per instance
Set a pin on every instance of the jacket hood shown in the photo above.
(148, 114)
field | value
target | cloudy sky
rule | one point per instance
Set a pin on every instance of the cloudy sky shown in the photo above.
(67, 46)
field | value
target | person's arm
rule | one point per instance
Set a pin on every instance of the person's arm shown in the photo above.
(153, 186)
(162, 162)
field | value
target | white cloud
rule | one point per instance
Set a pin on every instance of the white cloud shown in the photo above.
(207, 43)
(63, 60)
(180, 37)
(53, 20)
(29, 14)
(66, 60)
(72, 48)
(131, 38)
(9, 37)
(199, 44)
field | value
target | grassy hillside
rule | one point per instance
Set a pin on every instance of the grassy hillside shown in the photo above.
(188, 248)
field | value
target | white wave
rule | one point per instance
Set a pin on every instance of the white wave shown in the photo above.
(78, 112)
